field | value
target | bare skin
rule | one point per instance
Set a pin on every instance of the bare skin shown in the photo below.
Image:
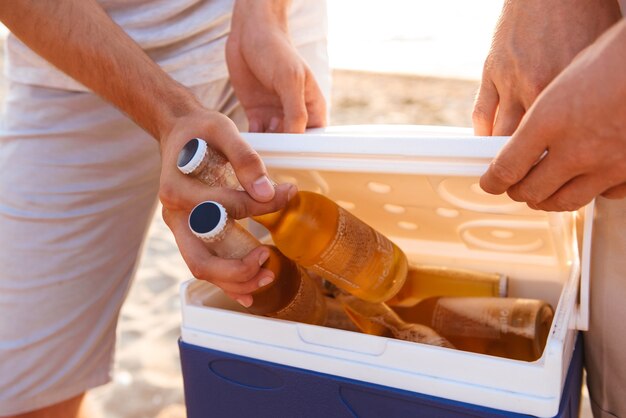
(533, 42)
(267, 92)
(80, 39)
(70, 408)
(571, 145)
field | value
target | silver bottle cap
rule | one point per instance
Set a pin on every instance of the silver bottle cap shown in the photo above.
(208, 220)
(192, 154)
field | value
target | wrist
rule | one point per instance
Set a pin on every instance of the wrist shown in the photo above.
(179, 105)
(197, 122)
(273, 12)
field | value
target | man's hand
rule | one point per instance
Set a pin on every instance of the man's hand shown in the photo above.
(180, 193)
(533, 42)
(79, 38)
(571, 145)
(274, 85)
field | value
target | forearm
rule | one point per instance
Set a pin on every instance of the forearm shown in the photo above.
(80, 39)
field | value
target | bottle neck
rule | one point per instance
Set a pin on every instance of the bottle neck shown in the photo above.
(269, 220)
(295, 206)
(234, 241)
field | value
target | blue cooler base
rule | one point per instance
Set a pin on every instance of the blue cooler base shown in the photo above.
(218, 384)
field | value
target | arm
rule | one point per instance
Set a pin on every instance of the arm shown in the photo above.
(272, 82)
(534, 40)
(79, 38)
(579, 122)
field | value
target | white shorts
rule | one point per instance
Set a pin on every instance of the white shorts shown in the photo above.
(605, 356)
(78, 189)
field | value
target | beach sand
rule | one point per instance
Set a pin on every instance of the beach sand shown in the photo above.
(147, 381)
(147, 371)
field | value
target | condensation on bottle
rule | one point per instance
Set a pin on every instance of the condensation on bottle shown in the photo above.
(209, 166)
(424, 281)
(316, 233)
(515, 328)
(379, 319)
(292, 295)
(322, 236)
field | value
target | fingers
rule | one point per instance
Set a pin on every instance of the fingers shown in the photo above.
(555, 187)
(485, 108)
(268, 119)
(493, 114)
(236, 277)
(247, 164)
(239, 204)
(291, 90)
(616, 192)
(280, 116)
(203, 264)
(181, 192)
(515, 159)
(315, 103)
(508, 118)
(545, 179)
(178, 191)
(574, 194)
(255, 124)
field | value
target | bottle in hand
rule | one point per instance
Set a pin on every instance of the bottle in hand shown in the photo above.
(316, 233)
(323, 237)
(292, 295)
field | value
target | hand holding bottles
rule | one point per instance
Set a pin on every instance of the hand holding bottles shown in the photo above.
(291, 295)
(324, 238)
(318, 234)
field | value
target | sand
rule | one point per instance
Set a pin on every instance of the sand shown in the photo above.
(147, 381)
(147, 373)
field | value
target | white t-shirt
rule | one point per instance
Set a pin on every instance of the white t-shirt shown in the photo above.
(185, 37)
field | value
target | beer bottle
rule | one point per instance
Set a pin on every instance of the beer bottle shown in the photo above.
(317, 233)
(423, 281)
(320, 235)
(292, 295)
(507, 327)
(209, 166)
(379, 319)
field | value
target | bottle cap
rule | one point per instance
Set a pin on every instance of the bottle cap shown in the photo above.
(208, 220)
(192, 154)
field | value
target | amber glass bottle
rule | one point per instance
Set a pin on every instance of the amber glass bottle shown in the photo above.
(206, 164)
(293, 295)
(507, 327)
(424, 281)
(379, 319)
(316, 233)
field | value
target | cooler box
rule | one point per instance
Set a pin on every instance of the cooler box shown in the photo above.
(419, 186)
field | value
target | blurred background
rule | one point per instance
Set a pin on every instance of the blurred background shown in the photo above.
(393, 61)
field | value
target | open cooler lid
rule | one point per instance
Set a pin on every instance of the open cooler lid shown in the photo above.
(419, 186)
